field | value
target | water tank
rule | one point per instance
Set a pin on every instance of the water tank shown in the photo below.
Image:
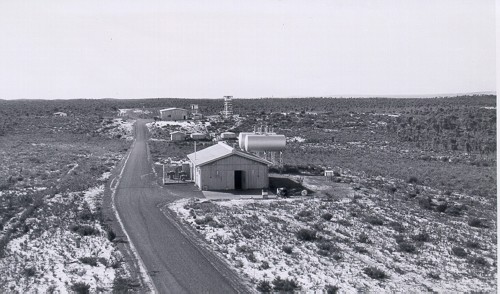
(228, 135)
(241, 139)
(197, 136)
(265, 143)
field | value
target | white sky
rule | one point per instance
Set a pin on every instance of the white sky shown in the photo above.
(258, 48)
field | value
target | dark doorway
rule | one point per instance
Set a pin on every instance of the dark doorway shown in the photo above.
(238, 179)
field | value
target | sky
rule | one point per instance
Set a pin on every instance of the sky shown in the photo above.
(260, 48)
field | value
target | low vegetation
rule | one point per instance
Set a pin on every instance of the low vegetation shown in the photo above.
(369, 240)
(52, 176)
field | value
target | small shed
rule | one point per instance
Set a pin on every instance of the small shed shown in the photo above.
(174, 114)
(177, 136)
(197, 116)
(222, 167)
(60, 114)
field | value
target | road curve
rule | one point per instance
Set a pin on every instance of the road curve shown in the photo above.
(173, 262)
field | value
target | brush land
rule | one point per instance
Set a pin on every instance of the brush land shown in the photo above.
(412, 202)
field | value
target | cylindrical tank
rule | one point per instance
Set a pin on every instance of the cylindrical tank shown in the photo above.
(241, 139)
(196, 136)
(228, 135)
(265, 143)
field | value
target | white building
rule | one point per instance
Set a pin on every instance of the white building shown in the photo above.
(174, 114)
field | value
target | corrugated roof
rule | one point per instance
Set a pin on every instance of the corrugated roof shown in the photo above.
(219, 151)
(172, 108)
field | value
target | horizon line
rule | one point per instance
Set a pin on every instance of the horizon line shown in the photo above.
(391, 96)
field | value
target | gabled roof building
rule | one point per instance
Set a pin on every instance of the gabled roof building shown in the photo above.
(173, 113)
(222, 167)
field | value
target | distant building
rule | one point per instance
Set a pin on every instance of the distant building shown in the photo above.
(173, 114)
(197, 116)
(198, 136)
(177, 136)
(222, 167)
(60, 114)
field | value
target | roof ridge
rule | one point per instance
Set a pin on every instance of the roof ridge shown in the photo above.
(226, 146)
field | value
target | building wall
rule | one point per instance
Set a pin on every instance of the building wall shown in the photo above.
(219, 175)
(174, 114)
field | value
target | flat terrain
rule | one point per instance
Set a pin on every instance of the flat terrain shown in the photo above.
(173, 262)
(411, 203)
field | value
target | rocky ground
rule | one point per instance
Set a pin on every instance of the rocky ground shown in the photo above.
(356, 234)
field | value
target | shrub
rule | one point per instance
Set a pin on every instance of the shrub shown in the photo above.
(360, 249)
(455, 210)
(92, 261)
(475, 222)
(459, 251)
(363, 238)
(413, 180)
(325, 245)
(87, 215)
(425, 203)
(264, 286)
(251, 257)
(421, 237)
(243, 248)
(375, 273)
(111, 235)
(286, 285)
(29, 272)
(246, 233)
(327, 216)
(287, 249)
(398, 227)
(264, 265)
(84, 230)
(434, 276)
(124, 285)
(306, 235)
(412, 194)
(305, 214)
(323, 252)
(473, 244)
(374, 220)
(344, 222)
(477, 260)
(81, 288)
(442, 207)
(203, 221)
(399, 238)
(407, 247)
(331, 289)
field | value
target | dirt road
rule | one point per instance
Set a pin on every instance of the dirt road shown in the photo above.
(173, 262)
